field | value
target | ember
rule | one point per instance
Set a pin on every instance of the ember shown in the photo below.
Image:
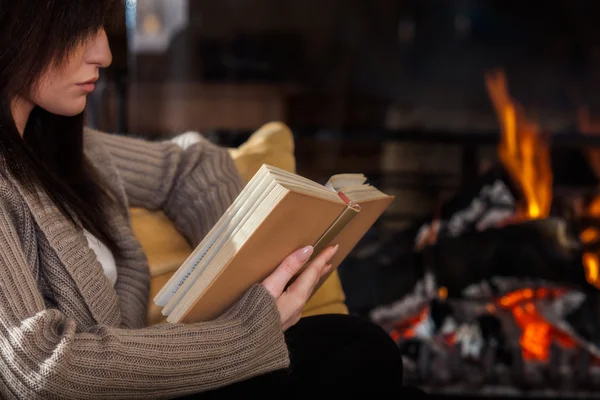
(537, 334)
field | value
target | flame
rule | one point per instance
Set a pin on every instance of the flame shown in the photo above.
(526, 156)
(591, 263)
(590, 260)
(536, 334)
(522, 150)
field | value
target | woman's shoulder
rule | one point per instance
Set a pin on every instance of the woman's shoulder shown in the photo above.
(103, 147)
(94, 138)
(97, 149)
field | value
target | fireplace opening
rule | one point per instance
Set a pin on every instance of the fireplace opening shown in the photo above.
(504, 278)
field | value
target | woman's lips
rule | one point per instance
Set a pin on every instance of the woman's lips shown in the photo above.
(88, 86)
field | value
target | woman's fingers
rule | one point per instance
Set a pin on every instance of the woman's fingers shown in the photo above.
(305, 284)
(278, 280)
(291, 302)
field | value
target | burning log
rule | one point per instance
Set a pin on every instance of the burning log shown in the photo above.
(545, 249)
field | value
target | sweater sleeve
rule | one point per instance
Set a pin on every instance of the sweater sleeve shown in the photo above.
(193, 186)
(44, 356)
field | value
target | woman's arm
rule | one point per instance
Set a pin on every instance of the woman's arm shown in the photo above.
(42, 354)
(193, 186)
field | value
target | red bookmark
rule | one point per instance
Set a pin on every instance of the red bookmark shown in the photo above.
(345, 198)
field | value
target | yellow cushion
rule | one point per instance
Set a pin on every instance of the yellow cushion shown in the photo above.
(272, 144)
(166, 249)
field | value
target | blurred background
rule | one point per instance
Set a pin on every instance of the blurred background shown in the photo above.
(390, 78)
(383, 64)
(400, 90)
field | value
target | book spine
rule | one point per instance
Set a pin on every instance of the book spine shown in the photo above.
(340, 223)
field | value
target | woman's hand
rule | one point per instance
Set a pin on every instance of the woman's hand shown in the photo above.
(291, 301)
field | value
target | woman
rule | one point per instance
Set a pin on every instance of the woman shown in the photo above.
(74, 281)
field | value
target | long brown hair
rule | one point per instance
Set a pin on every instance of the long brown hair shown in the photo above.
(35, 35)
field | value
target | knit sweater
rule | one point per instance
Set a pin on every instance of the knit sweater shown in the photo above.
(66, 332)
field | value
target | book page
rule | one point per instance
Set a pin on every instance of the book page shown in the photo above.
(320, 193)
(336, 182)
(240, 206)
(358, 194)
(299, 180)
(185, 298)
(354, 186)
(247, 211)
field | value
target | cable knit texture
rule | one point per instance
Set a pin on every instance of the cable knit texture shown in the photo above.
(66, 333)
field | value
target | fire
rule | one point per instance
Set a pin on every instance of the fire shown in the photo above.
(526, 156)
(406, 329)
(409, 331)
(537, 334)
(523, 151)
(590, 260)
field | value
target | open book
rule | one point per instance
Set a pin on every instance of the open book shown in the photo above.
(275, 214)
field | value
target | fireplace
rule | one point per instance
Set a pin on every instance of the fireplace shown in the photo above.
(504, 277)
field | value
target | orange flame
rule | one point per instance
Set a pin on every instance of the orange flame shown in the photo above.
(590, 260)
(526, 156)
(522, 150)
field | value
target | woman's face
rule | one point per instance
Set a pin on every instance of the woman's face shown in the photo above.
(63, 90)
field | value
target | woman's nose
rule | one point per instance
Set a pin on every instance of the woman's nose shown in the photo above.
(98, 51)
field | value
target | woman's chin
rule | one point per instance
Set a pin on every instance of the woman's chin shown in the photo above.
(71, 109)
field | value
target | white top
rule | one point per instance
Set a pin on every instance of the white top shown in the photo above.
(104, 255)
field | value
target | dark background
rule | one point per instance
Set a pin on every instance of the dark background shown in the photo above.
(391, 88)
(395, 64)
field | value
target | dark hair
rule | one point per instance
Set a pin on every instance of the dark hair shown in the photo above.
(35, 35)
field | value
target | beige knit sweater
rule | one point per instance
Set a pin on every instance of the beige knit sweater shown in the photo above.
(65, 332)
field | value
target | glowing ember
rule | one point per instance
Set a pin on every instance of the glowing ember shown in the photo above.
(408, 328)
(537, 334)
(590, 262)
(443, 293)
(409, 331)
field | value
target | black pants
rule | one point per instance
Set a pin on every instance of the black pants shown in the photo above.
(335, 354)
